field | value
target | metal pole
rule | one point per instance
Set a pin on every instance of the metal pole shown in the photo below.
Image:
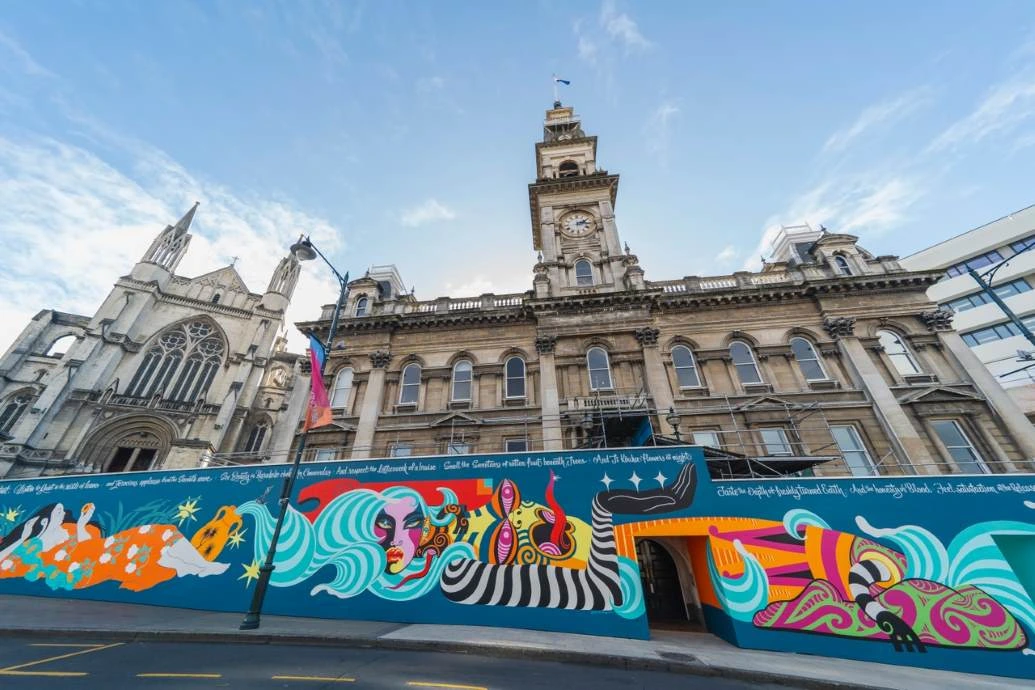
(987, 289)
(252, 618)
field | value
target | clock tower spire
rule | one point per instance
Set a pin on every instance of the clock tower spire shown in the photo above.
(573, 221)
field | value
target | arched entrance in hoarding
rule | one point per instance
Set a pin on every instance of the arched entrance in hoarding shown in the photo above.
(662, 591)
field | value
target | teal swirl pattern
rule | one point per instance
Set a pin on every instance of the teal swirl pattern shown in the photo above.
(796, 520)
(343, 537)
(741, 597)
(926, 557)
(632, 605)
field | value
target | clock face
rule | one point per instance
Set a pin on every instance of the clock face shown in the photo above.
(578, 223)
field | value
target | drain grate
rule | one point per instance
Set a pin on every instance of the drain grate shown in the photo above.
(678, 656)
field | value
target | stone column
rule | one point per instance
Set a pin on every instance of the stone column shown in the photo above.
(905, 439)
(548, 399)
(369, 412)
(657, 380)
(1014, 419)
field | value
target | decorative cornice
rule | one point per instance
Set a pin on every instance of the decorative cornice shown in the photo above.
(839, 326)
(647, 337)
(380, 359)
(938, 319)
(545, 344)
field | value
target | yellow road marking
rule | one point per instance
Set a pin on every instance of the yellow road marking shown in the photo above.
(51, 674)
(319, 679)
(16, 667)
(450, 686)
(179, 675)
(55, 644)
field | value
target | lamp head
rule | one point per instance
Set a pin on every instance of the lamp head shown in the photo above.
(672, 418)
(303, 249)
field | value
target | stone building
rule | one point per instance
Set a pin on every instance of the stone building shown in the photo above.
(829, 360)
(169, 370)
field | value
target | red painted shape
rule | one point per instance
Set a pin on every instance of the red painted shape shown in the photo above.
(472, 493)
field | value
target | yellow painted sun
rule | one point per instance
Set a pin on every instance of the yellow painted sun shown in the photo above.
(186, 510)
(251, 572)
(237, 538)
(11, 514)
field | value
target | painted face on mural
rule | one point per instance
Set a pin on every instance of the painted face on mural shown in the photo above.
(398, 528)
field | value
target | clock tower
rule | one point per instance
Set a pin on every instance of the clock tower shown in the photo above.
(573, 221)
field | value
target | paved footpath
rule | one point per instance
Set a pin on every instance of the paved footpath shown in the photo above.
(676, 652)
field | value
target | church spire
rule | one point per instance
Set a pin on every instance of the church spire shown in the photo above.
(183, 225)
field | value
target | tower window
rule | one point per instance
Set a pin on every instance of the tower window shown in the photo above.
(583, 273)
(361, 306)
(12, 411)
(568, 169)
(215, 298)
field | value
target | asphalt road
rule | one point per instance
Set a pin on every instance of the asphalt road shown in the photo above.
(103, 665)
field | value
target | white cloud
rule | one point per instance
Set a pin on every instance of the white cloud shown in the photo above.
(659, 128)
(621, 27)
(1005, 107)
(880, 114)
(73, 224)
(428, 212)
(479, 285)
(430, 84)
(21, 58)
(728, 254)
(864, 205)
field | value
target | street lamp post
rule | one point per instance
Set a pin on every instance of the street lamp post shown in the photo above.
(673, 420)
(303, 250)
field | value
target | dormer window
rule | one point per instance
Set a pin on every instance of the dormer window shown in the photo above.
(583, 273)
(568, 169)
(842, 265)
(361, 306)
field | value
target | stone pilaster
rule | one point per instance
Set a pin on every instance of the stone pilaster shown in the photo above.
(370, 410)
(909, 445)
(999, 400)
(548, 397)
(657, 379)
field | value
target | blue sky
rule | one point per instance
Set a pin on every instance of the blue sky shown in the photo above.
(403, 132)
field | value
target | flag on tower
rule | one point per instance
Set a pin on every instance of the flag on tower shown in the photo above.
(558, 80)
(319, 411)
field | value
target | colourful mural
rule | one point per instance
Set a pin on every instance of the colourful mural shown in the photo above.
(933, 572)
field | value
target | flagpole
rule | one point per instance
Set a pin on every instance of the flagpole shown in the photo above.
(303, 250)
(556, 97)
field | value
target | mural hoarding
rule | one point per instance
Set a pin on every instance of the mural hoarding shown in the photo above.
(934, 571)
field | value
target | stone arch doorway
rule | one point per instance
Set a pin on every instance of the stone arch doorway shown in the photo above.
(662, 591)
(130, 444)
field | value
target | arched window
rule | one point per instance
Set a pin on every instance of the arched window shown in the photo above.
(686, 368)
(898, 353)
(599, 367)
(514, 385)
(189, 353)
(409, 388)
(842, 265)
(60, 346)
(462, 377)
(744, 362)
(583, 272)
(13, 410)
(568, 169)
(361, 306)
(256, 437)
(215, 298)
(808, 361)
(342, 386)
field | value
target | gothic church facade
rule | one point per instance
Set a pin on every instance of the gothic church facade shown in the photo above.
(168, 371)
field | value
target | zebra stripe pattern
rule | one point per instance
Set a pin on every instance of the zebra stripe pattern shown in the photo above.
(860, 578)
(596, 588)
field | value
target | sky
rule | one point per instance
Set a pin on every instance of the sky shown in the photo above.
(403, 133)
